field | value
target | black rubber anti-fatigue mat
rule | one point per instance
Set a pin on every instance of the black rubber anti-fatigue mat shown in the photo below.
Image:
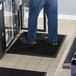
(68, 59)
(39, 49)
(16, 72)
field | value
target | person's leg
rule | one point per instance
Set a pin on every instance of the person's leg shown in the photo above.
(51, 11)
(34, 8)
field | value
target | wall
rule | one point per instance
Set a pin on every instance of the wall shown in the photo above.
(67, 7)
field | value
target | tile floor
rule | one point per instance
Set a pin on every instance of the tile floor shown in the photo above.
(53, 66)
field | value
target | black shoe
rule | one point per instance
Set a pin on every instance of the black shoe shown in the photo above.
(46, 40)
(27, 41)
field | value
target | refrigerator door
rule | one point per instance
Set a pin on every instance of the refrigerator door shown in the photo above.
(8, 20)
(41, 26)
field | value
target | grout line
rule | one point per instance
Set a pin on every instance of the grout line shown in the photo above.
(18, 61)
(28, 62)
(38, 63)
(49, 64)
(8, 61)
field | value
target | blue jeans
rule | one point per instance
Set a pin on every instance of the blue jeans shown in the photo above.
(50, 7)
